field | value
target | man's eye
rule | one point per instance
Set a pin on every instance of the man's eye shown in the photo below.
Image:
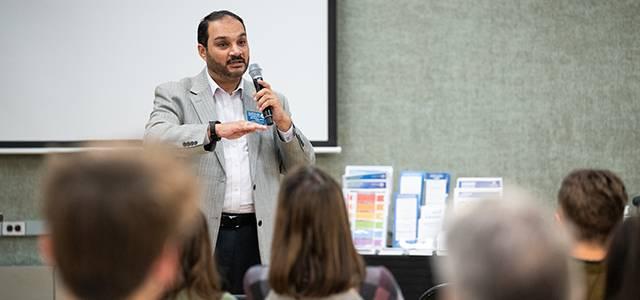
(242, 43)
(221, 45)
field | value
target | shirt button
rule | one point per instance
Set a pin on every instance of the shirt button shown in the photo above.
(260, 223)
(254, 187)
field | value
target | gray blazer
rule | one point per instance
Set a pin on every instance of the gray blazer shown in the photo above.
(180, 116)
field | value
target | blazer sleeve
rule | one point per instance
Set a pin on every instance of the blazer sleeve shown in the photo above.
(297, 151)
(166, 122)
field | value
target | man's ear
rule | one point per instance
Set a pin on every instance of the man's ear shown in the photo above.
(166, 267)
(559, 216)
(202, 51)
(45, 244)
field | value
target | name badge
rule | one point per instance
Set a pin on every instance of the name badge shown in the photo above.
(256, 117)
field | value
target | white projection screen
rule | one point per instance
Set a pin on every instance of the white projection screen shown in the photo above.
(74, 71)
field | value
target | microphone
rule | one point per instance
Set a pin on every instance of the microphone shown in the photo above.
(256, 74)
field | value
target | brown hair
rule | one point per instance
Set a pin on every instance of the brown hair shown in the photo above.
(111, 213)
(593, 200)
(199, 275)
(312, 252)
(623, 261)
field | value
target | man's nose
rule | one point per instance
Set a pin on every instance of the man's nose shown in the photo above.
(236, 50)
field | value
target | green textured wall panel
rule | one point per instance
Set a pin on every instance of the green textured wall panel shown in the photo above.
(527, 90)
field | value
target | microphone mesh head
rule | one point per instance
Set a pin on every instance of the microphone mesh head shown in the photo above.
(255, 71)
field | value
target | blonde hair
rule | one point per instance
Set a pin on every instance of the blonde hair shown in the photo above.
(508, 249)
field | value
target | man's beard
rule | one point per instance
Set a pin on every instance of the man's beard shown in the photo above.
(223, 70)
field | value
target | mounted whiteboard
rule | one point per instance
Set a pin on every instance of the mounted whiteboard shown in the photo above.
(76, 70)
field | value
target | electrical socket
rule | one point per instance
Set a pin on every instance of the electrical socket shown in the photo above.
(13, 228)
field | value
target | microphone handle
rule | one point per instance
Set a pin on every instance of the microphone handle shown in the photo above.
(267, 113)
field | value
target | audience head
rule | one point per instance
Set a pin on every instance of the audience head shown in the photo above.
(312, 250)
(198, 276)
(506, 250)
(115, 220)
(623, 262)
(593, 202)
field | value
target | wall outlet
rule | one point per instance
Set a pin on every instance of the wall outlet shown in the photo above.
(13, 228)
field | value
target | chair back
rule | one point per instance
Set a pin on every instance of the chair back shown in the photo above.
(434, 292)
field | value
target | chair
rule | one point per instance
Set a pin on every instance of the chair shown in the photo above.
(434, 292)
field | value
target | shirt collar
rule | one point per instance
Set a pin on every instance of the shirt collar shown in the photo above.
(215, 87)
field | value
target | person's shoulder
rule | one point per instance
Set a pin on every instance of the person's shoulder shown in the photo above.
(181, 85)
(185, 295)
(227, 296)
(177, 84)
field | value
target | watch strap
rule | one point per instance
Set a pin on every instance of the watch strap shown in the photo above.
(212, 130)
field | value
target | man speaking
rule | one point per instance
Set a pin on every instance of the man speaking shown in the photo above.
(239, 157)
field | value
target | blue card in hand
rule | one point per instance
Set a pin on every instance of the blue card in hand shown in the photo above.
(256, 117)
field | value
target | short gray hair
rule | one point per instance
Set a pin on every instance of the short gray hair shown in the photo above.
(507, 249)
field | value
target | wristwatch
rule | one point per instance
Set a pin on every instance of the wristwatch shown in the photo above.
(213, 137)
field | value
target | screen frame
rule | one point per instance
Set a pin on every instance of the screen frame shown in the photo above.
(332, 105)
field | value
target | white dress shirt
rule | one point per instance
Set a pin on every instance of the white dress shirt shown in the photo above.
(238, 197)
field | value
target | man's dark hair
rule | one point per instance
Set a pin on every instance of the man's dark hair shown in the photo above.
(593, 200)
(203, 27)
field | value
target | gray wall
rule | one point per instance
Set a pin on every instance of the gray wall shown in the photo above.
(19, 181)
(527, 90)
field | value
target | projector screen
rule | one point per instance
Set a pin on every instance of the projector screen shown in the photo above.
(76, 71)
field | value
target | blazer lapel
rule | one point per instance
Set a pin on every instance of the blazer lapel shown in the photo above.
(253, 139)
(202, 99)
